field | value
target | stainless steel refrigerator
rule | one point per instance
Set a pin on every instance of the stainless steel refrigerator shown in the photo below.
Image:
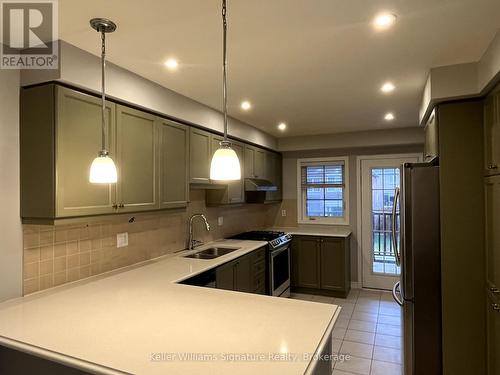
(418, 253)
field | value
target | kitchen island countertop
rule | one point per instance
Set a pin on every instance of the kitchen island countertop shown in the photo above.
(139, 320)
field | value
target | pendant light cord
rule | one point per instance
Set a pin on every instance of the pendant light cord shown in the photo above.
(224, 67)
(103, 87)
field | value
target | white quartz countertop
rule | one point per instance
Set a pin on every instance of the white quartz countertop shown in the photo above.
(140, 321)
(316, 230)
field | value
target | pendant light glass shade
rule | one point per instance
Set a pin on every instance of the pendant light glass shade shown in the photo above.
(103, 170)
(225, 164)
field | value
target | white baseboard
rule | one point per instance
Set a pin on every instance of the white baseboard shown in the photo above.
(355, 285)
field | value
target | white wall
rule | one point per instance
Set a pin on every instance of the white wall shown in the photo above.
(82, 69)
(489, 65)
(11, 245)
(370, 138)
(453, 82)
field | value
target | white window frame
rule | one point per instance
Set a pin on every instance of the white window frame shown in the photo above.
(301, 201)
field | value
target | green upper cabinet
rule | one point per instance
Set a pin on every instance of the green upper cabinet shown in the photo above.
(156, 159)
(78, 130)
(60, 137)
(200, 156)
(249, 162)
(273, 174)
(255, 162)
(174, 164)
(260, 162)
(265, 165)
(492, 134)
(138, 160)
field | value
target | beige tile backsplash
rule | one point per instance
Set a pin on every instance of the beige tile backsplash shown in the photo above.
(55, 255)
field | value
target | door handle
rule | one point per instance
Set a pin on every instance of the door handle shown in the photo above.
(393, 232)
(395, 291)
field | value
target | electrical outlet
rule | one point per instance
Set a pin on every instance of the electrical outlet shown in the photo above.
(283, 213)
(220, 220)
(122, 239)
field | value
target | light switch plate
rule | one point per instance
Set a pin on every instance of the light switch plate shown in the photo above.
(283, 213)
(220, 221)
(122, 239)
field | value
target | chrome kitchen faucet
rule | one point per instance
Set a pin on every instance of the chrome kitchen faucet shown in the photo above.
(192, 243)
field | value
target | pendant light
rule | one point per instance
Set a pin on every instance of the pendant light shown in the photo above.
(103, 169)
(225, 164)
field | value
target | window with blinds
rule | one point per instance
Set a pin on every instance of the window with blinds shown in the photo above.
(322, 191)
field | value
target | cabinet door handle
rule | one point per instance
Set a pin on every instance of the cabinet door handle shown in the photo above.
(494, 290)
(115, 206)
(495, 306)
(492, 166)
(121, 205)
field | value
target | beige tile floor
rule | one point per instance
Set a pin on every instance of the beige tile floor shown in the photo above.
(368, 330)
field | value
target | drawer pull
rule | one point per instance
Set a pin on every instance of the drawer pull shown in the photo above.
(492, 166)
(494, 290)
(495, 306)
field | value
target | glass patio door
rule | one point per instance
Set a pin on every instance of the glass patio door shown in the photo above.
(379, 180)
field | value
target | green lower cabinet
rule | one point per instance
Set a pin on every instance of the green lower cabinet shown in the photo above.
(321, 265)
(224, 276)
(305, 262)
(334, 265)
(493, 334)
(244, 274)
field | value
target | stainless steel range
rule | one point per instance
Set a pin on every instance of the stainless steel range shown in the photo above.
(278, 259)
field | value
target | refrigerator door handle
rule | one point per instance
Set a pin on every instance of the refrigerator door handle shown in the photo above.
(395, 291)
(394, 222)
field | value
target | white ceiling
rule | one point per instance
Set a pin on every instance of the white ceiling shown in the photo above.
(315, 64)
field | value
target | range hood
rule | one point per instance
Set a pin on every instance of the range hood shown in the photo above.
(257, 184)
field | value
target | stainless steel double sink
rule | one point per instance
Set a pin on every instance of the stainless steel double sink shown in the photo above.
(212, 252)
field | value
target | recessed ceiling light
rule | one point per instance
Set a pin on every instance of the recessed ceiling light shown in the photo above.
(282, 126)
(246, 105)
(383, 21)
(171, 64)
(389, 116)
(387, 87)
